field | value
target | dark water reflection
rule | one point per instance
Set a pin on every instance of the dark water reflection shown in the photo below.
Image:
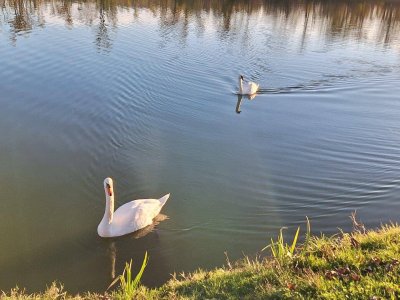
(145, 92)
(335, 19)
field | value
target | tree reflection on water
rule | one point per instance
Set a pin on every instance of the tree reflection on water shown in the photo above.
(335, 19)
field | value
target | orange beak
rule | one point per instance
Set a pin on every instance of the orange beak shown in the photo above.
(109, 189)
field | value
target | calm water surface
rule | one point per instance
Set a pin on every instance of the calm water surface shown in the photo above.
(144, 92)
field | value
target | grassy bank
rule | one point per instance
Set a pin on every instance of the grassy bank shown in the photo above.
(357, 265)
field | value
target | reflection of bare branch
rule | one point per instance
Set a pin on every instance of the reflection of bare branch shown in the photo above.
(23, 20)
(102, 39)
(64, 9)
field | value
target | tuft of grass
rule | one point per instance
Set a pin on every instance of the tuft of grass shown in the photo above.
(282, 251)
(53, 292)
(129, 285)
(308, 235)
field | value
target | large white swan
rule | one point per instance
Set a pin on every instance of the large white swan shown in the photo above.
(247, 88)
(129, 217)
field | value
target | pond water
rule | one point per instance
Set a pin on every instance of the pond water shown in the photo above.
(144, 92)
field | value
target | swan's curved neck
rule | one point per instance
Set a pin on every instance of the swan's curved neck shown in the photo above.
(109, 211)
(240, 85)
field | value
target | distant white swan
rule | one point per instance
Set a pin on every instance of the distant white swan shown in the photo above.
(247, 88)
(129, 217)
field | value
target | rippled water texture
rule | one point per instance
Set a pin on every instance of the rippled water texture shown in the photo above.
(144, 92)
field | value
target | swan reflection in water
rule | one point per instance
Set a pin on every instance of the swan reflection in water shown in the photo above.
(112, 253)
(112, 249)
(240, 98)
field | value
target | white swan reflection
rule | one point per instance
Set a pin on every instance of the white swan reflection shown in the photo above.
(240, 99)
(112, 249)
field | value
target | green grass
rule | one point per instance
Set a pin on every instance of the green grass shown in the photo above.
(129, 285)
(357, 265)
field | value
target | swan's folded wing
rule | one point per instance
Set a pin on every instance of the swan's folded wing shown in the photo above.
(142, 218)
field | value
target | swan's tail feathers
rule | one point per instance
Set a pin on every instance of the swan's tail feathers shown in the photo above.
(163, 199)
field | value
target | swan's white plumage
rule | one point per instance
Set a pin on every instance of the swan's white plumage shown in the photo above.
(129, 217)
(248, 87)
